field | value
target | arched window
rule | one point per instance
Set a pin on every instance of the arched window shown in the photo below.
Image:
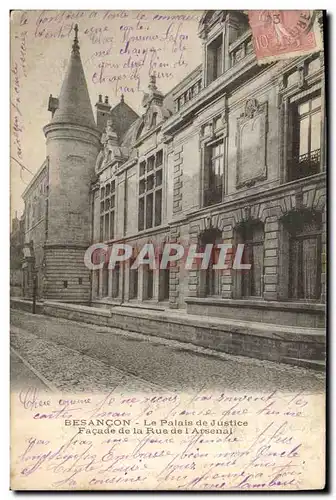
(304, 254)
(210, 282)
(249, 281)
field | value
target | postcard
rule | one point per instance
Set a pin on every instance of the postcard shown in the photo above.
(168, 250)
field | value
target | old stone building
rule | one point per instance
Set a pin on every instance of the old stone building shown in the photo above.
(234, 153)
(16, 255)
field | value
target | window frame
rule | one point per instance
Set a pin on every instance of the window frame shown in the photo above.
(293, 154)
(207, 163)
(299, 236)
(210, 278)
(216, 42)
(105, 200)
(244, 234)
(289, 94)
(150, 189)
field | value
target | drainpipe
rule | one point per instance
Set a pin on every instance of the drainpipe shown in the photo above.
(91, 238)
(124, 235)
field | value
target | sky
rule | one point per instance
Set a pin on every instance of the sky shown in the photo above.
(119, 50)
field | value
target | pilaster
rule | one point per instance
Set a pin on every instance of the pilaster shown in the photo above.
(271, 258)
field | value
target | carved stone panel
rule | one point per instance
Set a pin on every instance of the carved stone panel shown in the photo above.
(251, 144)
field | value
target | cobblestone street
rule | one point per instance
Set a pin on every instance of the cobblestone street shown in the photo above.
(67, 356)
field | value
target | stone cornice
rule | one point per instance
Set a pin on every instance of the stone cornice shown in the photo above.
(318, 180)
(210, 92)
(64, 127)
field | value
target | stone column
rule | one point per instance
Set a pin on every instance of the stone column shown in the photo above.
(110, 282)
(271, 258)
(121, 283)
(141, 283)
(156, 284)
(126, 269)
(100, 283)
(226, 43)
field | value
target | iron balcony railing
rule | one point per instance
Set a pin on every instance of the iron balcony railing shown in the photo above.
(305, 165)
(213, 195)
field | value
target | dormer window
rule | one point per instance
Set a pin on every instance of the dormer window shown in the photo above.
(154, 119)
(215, 59)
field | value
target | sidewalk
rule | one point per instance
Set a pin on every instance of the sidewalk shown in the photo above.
(169, 364)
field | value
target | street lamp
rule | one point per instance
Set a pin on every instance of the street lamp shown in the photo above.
(29, 257)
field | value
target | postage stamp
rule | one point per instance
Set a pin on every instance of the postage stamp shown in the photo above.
(283, 34)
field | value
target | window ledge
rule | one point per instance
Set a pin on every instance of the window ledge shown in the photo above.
(108, 301)
(258, 303)
(145, 304)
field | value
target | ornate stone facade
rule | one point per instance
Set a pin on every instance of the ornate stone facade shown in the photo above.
(219, 156)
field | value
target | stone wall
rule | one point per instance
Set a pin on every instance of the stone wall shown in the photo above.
(287, 345)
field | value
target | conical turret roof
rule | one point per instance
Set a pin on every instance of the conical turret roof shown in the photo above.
(74, 104)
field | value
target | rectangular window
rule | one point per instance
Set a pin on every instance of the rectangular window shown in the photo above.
(105, 272)
(107, 211)
(211, 278)
(115, 281)
(97, 283)
(252, 236)
(133, 281)
(215, 59)
(149, 210)
(305, 259)
(141, 214)
(150, 283)
(212, 282)
(305, 148)
(158, 205)
(154, 119)
(150, 192)
(214, 173)
(164, 284)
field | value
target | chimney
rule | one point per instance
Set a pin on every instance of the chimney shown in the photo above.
(102, 112)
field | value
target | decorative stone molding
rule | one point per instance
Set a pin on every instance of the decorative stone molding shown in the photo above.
(311, 199)
(174, 272)
(302, 75)
(215, 126)
(178, 182)
(255, 212)
(217, 221)
(251, 144)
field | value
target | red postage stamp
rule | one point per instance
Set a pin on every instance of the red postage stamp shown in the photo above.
(280, 34)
